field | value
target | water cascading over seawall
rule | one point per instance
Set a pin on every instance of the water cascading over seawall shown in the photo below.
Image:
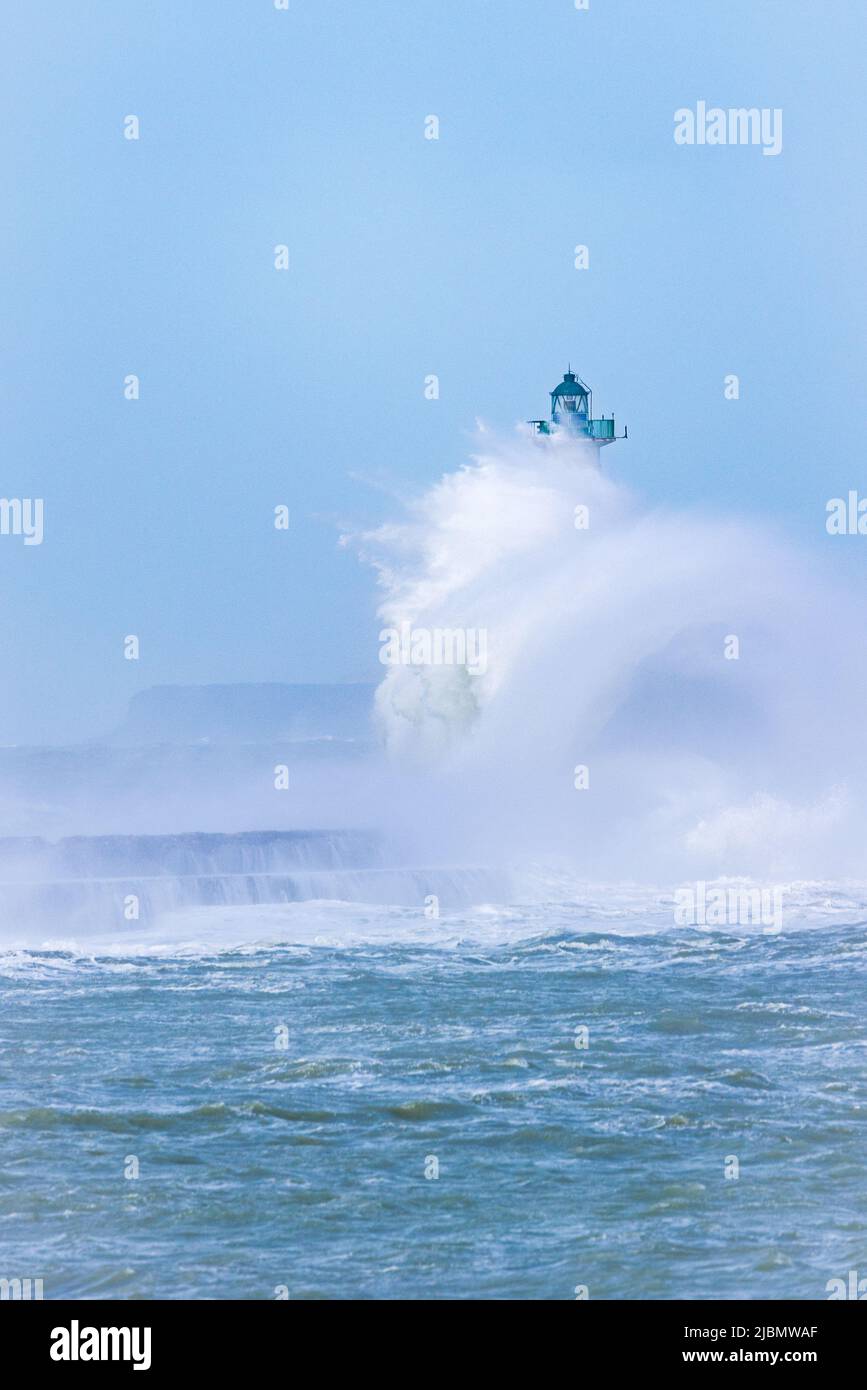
(102, 881)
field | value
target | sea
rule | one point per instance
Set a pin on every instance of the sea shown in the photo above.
(293, 1077)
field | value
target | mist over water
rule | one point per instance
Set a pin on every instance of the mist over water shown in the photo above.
(608, 630)
(283, 1031)
(606, 647)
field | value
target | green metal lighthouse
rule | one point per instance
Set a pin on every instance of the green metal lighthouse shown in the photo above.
(572, 411)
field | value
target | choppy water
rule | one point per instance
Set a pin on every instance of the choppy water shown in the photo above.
(408, 1040)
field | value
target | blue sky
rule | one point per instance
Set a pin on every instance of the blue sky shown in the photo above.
(408, 257)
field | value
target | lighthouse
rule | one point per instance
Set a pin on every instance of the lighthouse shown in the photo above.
(572, 412)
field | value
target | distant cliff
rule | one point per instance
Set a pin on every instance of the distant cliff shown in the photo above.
(184, 714)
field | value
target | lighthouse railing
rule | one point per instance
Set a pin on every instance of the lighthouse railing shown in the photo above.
(600, 429)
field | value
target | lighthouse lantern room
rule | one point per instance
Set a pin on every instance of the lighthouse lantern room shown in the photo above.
(572, 410)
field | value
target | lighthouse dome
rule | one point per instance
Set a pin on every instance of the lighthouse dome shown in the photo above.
(571, 385)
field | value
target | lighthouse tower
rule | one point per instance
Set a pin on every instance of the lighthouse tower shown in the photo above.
(572, 411)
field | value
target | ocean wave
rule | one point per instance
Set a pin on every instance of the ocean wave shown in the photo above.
(589, 920)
